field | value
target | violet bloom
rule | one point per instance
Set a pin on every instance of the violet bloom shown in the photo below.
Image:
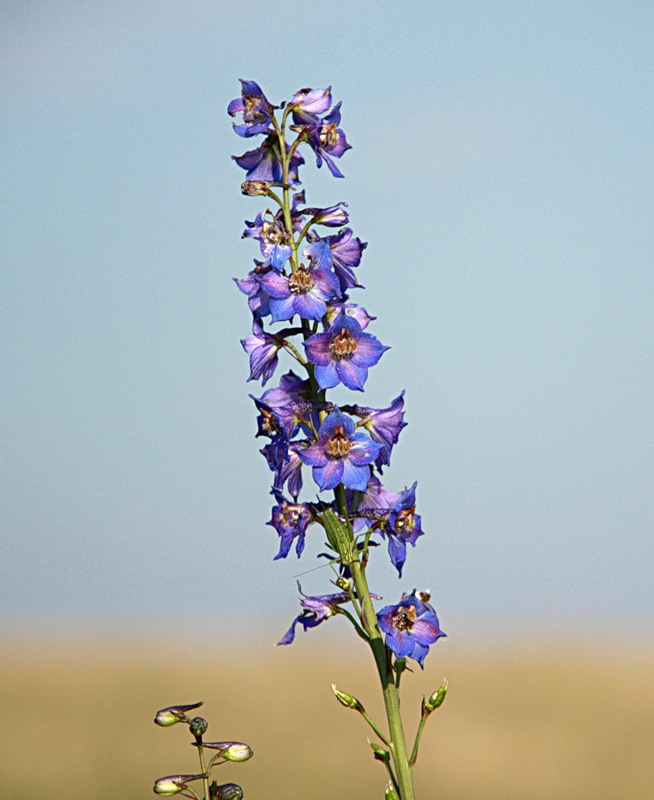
(314, 611)
(411, 626)
(308, 104)
(305, 292)
(270, 232)
(384, 426)
(255, 108)
(343, 354)
(291, 521)
(271, 425)
(403, 527)
(264, 163)
(262, 349)
(286, 469)
(327, 140)
(341, 252)
(340, 455)
(258, 298)
(331, 217)
(288, 400)
(352, 310)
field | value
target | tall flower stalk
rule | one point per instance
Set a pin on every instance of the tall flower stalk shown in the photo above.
(300, 289)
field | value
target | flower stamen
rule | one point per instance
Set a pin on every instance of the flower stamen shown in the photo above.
(339, 445)
(300, 281)
(343, 345)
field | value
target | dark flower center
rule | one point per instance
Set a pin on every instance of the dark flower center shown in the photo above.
(252, 107)
(339, 445)
(404, 618)
(328, 135)
(269, 422)
(300, 281)
(405, 519)
(343, 345)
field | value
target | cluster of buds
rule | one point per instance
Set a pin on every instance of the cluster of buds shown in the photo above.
(218, 753)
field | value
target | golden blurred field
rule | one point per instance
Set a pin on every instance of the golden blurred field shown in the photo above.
(531, 723)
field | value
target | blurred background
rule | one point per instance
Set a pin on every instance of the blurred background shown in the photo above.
(502, 174)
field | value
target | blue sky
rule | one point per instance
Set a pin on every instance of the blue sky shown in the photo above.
(502, 174)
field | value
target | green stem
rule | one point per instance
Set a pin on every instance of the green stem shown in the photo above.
(384, 668)
(205, 780)
(416, 744)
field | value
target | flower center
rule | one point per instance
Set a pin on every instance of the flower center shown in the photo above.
(404, 618)
(405, 519)
(343, 345)
(272, 232)
(328, 135)
(339, 445)
(252, 105)
(300, 281)
(269, 422)
(290, 513)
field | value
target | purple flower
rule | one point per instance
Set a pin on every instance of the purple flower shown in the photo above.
(262, 349)
(384, 426)
(359, 313)
(411, 626)
(291, 521)
(395, 511)
(270, 232)
(255, 108)
(327, 140)
(264, 163)
(307, 104)
(288, 468)
(258, 298)
(331, 217)
(340, 455)
(304, 292)
(288, 400)
(403, 527)
(271, 425)
(314, 611)
(342, 252)
(343, 354)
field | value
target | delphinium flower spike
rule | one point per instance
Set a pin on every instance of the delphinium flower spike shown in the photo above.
(299, 296)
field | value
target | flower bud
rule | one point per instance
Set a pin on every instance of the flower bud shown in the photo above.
(436, 698)
(174, 784)
(198, 726)
(231, 751)
(238, 751)
(226, 791)
(391, 794)
(174, 714)
(343, 583)
(347, 700)
(379, 752)
(254, 188)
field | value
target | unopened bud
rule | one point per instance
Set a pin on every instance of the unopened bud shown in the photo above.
(379, 752)
(227, 791)
(343, 583)
(436, 698)
(254, 188)
(237, 751)
(347, 700)
(174, 714)
(391, 794)
(174, 784)
(198, 726)
(231, 751)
